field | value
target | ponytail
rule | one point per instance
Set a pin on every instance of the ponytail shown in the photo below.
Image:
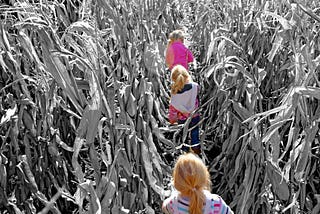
(179, 76)
(178, 84)
(191, 177)
(197, 200)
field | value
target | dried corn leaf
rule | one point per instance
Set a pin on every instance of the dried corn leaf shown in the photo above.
(284, 22)
(29, 48)
(128, 199)
(125, 163)
(242, 111)
(95, 206)
(147, 163)
(78, 143)
(275, 47)
(304, 157)
(7, 116)
(131, 105)
(4, 39)
(110, 193)
(279, 184)
(308, 91)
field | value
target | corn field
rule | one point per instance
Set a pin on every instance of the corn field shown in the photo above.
(85, 92)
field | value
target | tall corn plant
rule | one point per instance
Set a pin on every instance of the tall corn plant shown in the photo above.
(260, 70)
(83, 94)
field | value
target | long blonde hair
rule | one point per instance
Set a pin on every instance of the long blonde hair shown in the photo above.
(190, 178)
(179, 76)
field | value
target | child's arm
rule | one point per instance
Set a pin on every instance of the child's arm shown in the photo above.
(166, 208)
(225, 209)
(190, 56)
(169, 57)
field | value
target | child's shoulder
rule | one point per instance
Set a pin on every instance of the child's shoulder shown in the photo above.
(195, 84)
(211, 196)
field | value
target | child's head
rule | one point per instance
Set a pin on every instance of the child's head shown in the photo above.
(176, 35)
(179, 77)
(190, 178)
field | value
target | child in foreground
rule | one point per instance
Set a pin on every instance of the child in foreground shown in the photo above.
(184, 100)
(177, 53)
(191, 179)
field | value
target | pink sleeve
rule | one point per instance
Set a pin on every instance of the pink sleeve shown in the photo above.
(167, 206)
(173, 114)
(169, 57)
(190, 56)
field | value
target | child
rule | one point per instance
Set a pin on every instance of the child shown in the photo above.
(177, 53)
(191, 180)
(184, 99)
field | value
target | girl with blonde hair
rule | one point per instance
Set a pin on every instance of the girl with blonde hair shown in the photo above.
(177, 53)
(184, 100)
(191, 180)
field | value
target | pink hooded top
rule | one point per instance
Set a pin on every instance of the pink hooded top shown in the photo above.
(178, 54)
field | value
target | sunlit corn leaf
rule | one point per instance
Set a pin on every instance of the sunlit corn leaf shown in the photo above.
(275, 46)
(284, 22)
(7, 116)
(4, 39)
(78, 143)
(131, 105)
(308, 91)
(62, 14)
(275, 142)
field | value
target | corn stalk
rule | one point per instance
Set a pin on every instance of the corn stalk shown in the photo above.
(82, 105)
(84, 94)
(260, 70)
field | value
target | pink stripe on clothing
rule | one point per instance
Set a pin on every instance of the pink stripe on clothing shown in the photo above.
(183, 103)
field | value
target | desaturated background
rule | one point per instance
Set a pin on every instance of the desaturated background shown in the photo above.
(84, 97)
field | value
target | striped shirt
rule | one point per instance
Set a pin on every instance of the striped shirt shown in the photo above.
(177, 204)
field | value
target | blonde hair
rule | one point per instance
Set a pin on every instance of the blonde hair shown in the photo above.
(190, 178)
(179, 76)
(176, 35)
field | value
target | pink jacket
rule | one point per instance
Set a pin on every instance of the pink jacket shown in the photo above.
(178, 54)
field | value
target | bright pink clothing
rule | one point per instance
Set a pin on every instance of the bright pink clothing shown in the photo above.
(178, 54)
(175, 115)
